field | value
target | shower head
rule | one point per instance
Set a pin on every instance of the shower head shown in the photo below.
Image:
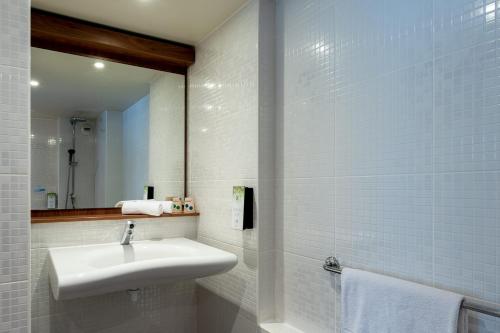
(75, 120)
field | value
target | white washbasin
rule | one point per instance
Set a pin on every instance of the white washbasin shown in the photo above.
(80, 271)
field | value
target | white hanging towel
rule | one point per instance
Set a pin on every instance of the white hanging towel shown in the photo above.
(374, 303)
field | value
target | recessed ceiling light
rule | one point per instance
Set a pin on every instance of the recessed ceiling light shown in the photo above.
(99, 65)
(34, 83)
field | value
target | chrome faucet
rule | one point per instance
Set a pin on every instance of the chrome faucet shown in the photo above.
(128, 233)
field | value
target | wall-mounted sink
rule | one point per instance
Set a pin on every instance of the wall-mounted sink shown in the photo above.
(80, 271)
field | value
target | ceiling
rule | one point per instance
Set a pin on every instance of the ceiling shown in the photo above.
(186, 21)
(70, 85)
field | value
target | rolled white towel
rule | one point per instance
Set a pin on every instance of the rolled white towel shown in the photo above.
(167, 206)
(148, 207)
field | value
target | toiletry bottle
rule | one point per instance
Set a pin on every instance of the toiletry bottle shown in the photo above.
(176, 205)
(189, 205)
(51, 200)
(40, 196)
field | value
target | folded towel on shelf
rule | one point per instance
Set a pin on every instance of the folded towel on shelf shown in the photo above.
(119, 204)
(147, 207)
(374, 303)
(167, 206)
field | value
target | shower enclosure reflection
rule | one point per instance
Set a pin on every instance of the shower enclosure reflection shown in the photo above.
(100, 134)
(70, 191)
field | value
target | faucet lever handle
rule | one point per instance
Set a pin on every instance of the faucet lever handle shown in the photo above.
(128, 233)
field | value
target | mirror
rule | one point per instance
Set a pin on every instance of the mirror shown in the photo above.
(101, 131)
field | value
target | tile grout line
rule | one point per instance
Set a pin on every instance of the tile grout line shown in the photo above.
(433, 143)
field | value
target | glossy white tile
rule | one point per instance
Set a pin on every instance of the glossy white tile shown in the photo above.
(14, 233)
(14, 136)
(15, 37)
(14, 317)
(309, 217)
(395, 103)
(14, 166)
(224, 110)
(309, 294)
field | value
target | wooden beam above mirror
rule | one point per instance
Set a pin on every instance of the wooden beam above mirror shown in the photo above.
(70, 35)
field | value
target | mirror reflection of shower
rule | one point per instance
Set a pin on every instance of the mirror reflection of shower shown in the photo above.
(72, 163)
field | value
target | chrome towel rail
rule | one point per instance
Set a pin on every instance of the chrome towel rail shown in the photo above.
(473, 304)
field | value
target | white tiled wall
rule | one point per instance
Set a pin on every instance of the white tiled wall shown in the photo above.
(223, 152)
(305, 296)
(388, 151)
(161, 308)
(105, 154)
(166, 135)
(45, 156)
(136, 149)
(14, 166)
(266, 165)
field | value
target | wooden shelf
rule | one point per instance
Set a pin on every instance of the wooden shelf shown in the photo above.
(91, 214)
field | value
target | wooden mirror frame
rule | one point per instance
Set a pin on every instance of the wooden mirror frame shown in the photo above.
(75, 36)
(69, 35)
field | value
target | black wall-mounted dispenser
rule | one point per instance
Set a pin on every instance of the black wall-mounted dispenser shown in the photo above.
(242, 217)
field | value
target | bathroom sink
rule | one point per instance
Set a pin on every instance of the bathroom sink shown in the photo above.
(80, 271)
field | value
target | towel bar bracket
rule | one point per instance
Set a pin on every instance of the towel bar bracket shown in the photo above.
(333, 265)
